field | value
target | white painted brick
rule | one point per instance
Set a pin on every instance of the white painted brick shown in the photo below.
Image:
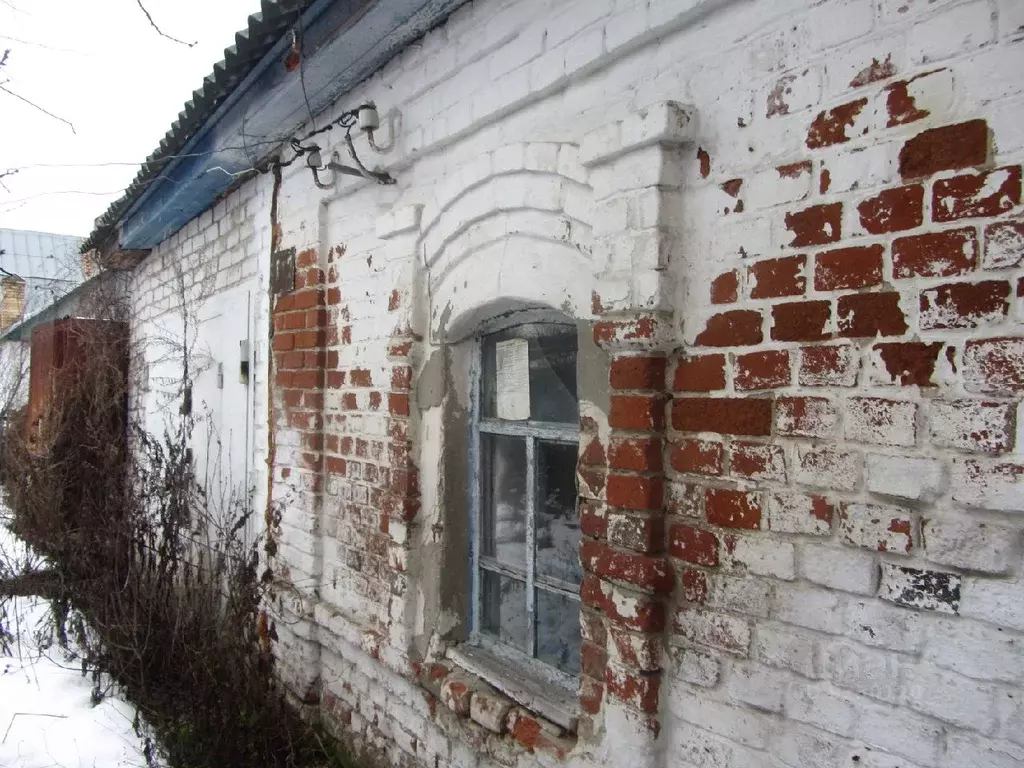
(988, 485)
(905, 477)
(881, 528)
(771, 187)
(901, 732)
(874, 623)
(972, 425)
(760, 687)
(839, 21)
(819, 706)
(827, 467)
(765, 557)
(950, 697)
(836, 568)
(797, 513)
(791, 93)
(751, 596)
(879, 421)
(997, 602)
(969, 749)
(810, 607)
(787, 648)
(695, 666)
(975, 650)
(797, 745)
(971, 545)
(956, 31)
(740, 724)
(868, 671)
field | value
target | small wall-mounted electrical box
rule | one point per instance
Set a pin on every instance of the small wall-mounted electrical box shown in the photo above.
(243, 361)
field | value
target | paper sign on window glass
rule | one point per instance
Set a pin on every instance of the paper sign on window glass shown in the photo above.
(512, 361)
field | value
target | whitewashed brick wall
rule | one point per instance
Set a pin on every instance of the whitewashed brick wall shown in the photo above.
(842, 519)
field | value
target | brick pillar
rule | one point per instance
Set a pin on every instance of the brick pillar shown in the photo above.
(627, 575)
(297, 463)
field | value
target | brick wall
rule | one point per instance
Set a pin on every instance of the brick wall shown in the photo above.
(793, 232)
(173, 290)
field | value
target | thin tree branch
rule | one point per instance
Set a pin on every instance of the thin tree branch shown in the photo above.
(160, 31)
(33, 104)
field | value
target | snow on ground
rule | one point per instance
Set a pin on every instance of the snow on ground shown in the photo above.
(46, 715)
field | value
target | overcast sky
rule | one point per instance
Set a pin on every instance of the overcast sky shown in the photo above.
(99, 65)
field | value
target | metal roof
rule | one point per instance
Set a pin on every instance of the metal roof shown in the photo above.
(43, 255)
(251, 45)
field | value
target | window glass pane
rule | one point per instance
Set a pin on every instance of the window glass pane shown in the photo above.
(558, 530)
(552, 353)
(558, 631)
(503, 507)
(503, 608)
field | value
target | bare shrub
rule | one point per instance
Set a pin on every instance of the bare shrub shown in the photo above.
(159, 593)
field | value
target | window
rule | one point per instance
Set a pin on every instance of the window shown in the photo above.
(526, 569)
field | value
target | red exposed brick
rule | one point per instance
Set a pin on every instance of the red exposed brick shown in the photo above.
(817, 225)
(306, 258)
(636, 454)
(758, 461)
(360, 377)
(870, 314)
(693, 545)
(702, 373)
(284, 342)
(292, 398)
(976, 194)
(964, 305)
(637, 412)
(401, 377)
(948, 148)
(704, 159)
(638, 373)
(831, 126)
(333, 296)
(902, 107)
(308, 339)
(832, 366)
(641, 691)
(801, 321)
(762, 370)
(936, 254)
(308, 299)
(285, 303)
(348, 401)
(593, 521)
(773, 278)
(694, 585)
(593, 660)
(910, 363)
(591, 695)
(725, 287)
(873, 72)
(732, 509)
(316, 318)
(336, 379)
(646, 572)
(730, 416)
(794, 170)
(738, 327)
(619, 331)
(893, 210)
(632, 492)
(594, 454)
(398, 404)
(994, 365)
(700, 457)
(336, 466)
(308, 379)
(645, 613)
(845, 268)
